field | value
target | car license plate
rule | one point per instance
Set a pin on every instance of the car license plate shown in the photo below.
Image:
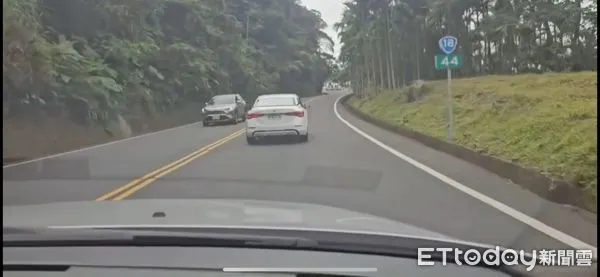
(274, 116)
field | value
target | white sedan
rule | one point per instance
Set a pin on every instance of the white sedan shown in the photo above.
(277, 115)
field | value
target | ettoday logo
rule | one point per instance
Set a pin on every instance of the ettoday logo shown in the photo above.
(500, 256)
(492, 257)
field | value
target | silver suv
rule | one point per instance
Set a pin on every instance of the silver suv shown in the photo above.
(224, 108)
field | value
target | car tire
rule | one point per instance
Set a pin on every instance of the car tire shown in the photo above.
(304, 138)
(236, 119)
(250, 140)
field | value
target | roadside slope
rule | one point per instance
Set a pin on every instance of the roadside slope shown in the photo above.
(544, 122)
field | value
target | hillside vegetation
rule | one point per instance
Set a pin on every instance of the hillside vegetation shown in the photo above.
(547, 122)
(386, 44)
(107, 63)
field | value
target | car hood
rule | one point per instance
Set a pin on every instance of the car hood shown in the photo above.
(205, 213)
(219, 107)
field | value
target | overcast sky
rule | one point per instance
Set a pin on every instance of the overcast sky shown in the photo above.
(331, 11)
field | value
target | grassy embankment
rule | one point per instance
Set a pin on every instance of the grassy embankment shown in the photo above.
(546, 122)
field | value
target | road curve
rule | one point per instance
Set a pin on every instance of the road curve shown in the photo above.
(337, 167)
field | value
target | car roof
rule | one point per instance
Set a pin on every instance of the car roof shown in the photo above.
(278, 95)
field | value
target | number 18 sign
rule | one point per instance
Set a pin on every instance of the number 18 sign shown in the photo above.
(448, 44)
(447, 62)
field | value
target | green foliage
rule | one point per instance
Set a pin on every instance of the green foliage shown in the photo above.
(115, 57)
(544, 121)
(547, 122)
(389, 43)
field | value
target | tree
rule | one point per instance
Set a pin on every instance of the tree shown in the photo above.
(103, 58)
(389, 43)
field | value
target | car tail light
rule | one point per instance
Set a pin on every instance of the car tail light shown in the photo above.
(253, 115)
(298, 113)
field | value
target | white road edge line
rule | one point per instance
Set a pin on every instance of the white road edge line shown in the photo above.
(98, 145)
(532, 222)
(110, 143)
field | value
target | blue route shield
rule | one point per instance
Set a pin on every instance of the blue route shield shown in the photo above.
(448, 44)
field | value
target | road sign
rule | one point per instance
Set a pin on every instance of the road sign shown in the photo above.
(443, 62)
(448, 62)
(448, 44)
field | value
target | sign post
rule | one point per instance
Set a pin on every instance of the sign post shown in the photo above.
(448, 62)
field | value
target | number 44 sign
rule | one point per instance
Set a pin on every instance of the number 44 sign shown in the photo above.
(448, 45)
(443, 62)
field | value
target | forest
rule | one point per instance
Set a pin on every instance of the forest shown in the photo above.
(95, 61)
(386, 44)
(527, 90)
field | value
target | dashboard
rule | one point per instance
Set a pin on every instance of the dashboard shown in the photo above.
(210, 261)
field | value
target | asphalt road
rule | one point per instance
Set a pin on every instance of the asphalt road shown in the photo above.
(337, 166)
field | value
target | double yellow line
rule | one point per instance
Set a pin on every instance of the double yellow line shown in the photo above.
(137, 184)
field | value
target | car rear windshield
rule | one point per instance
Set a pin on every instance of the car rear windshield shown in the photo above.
(222, 99)
(275, 101)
